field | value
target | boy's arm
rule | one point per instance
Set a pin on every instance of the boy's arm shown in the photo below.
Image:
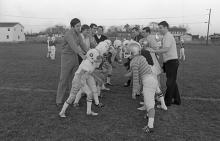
(136, 86)
(74, 46)
(162, 50)
(83, 45)
(166, 46)
(182, 54)
(92, 41)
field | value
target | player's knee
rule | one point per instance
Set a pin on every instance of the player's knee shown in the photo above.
(89, 98)
(150, 106)
(70, 100)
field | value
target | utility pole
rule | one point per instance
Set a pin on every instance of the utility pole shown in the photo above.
(207, 37)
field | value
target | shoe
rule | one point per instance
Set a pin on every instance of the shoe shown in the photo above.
(148, 129)
(162, 107)
(143, 108)
(106, 89)
(92, 114)
(109, 84)
(138, 94)
(62, 115)
(142, 103)
(76, 105)
(100, 105)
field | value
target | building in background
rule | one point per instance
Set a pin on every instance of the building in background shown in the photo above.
(187, 37)
(11, 32)
(177, 31)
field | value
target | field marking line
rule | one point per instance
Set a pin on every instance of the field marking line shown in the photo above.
(54, 91)
(27, 89)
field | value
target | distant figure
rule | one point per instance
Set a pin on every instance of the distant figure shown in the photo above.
(182, 50)
(99, 37)
(52, 45)
(48, 47)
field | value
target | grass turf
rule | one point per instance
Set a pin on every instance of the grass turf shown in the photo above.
(29, 115)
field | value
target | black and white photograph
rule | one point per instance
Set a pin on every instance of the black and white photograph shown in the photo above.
(109, 70)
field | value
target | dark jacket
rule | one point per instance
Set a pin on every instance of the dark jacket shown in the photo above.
(138, 37)
(148, 56)
(103, 38)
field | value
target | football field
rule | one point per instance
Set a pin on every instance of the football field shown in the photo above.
(28, 83)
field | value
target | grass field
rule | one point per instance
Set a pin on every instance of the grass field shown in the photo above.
(28, 83)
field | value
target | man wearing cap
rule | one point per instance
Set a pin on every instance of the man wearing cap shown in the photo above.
(73, 46)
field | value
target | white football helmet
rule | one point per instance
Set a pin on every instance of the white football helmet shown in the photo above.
(102, 47)
(109, 42)
(93, 55)
(134, 48)
(117, 44)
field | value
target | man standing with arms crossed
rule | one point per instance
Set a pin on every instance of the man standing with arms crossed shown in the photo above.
(170, 65)
(73, 46)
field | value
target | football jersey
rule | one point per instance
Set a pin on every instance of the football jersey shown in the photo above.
(86, 65)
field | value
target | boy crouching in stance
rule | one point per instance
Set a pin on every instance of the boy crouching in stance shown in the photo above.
(82, 79)
(141, 72)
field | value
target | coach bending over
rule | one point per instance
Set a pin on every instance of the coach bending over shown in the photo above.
(73, 46)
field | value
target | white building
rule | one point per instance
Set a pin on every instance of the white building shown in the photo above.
(187, 37)
(11, 32)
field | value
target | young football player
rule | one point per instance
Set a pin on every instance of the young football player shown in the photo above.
(84, 80)
(52, 45)
(141, 71)
(48, 46)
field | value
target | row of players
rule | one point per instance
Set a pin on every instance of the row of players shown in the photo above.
(92, 79)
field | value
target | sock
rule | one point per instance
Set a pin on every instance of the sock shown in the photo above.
(150, 122)
(65, 106)
(89, 107)
(96, 98)
(163, 105)
(99, 90)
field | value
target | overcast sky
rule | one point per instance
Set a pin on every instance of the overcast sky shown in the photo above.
(36, 15)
